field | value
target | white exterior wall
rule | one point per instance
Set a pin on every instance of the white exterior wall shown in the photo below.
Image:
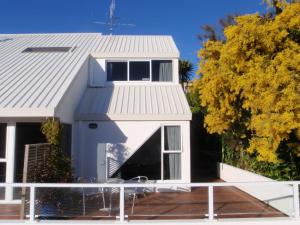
(66, 108)
(278, 196)
(130, 134)
(97, 72)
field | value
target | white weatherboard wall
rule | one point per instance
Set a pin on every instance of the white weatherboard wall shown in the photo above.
(278, 196)
(128, 136)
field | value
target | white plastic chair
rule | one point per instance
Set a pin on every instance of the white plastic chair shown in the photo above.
(136, 191)
(91, 192)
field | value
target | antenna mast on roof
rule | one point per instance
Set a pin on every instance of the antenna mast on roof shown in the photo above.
(112, 19)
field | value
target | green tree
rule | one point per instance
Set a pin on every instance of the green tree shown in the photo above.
(186, 69)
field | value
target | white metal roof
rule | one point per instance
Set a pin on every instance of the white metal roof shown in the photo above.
(134, 102)
(33, 84)
(119, 46)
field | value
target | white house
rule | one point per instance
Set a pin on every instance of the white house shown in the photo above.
(119, 97)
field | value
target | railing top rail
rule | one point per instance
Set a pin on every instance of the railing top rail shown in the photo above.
(158, 185)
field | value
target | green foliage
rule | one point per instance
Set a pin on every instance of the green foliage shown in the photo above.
(186, 69)
(286, 169)
(56, 169)
(51, 129)
(193, 100)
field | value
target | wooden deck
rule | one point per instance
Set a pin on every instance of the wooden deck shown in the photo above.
(230, 202)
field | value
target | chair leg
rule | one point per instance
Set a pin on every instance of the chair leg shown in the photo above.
(83, 205)
(103, 200)
(133, 201)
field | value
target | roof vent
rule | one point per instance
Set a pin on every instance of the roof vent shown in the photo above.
(47, 49)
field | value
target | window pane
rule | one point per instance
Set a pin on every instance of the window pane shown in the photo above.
(117, 71)
(172, 166)
(172, 138)
(2, 172)
(162, 70)
(139, 70)
(2, 140)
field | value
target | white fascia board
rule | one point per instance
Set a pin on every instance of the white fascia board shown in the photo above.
(26, 112)
(135, 55)
(133, 117)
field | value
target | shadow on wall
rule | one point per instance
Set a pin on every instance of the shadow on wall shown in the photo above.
(106, 136)
(117, 154)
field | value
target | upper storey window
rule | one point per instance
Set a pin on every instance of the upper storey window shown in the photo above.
(162, 70)
(152, 70)
(117, 71)
(139, 70)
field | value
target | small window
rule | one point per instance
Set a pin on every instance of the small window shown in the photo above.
(47, 49)
(172, 138)
(162, 70)
(139, 71)
(117, 71)
(172, 166)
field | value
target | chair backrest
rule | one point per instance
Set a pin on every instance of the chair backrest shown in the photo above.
(89, 191)
(139, 179)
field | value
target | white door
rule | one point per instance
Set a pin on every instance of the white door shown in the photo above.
(101, 162)
(93, 152)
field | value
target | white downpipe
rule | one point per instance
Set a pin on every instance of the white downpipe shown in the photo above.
(10, 156)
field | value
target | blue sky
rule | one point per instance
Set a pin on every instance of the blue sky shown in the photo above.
(180, 18)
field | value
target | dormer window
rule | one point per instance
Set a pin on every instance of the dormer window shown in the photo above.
(152, 70)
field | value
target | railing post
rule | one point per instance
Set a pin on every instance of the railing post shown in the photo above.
(296, 200)
(210, 202)
(122, 199)
(31, 204)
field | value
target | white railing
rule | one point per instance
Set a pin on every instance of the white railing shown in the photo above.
(122, 186)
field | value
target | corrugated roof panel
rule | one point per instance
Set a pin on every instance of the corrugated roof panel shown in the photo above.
(137, 46)
(30, 80)
(132, 102)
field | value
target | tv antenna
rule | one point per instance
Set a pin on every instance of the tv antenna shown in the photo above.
(112, 19)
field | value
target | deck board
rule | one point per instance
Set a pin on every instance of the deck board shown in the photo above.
(230, 202)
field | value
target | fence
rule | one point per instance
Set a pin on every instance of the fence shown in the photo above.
(122, 188)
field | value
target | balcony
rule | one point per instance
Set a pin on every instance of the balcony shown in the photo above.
(192, 202)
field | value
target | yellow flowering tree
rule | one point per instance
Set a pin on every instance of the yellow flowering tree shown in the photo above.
(250, 83)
